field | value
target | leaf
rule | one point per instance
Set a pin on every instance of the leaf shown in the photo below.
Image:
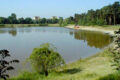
(10, 68)
(14, 61)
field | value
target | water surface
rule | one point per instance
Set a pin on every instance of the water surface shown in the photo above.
(71, 44)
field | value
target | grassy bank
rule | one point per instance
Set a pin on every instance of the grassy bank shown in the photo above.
(108, 27)
(96, 67)
(28, 25)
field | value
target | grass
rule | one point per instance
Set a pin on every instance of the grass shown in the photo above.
(53, 25)
(18, 25)
(114, 76)
(109, 27)
(105, 27)
(28, 25)
(96, 67)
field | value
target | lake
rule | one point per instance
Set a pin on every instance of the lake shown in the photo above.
(71, 44)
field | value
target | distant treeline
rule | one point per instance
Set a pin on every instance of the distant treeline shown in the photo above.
(12, 19)
(108, 15)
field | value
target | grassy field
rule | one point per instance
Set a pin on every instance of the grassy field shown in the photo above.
(97, 67)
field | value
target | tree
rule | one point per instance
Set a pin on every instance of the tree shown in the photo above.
(21, 21)
(115, 11)
(60, 21)
(43, 21)
(54, 20)
(12, 19)
(5, 65)
(45, 58)
(2, 20)
(28, 20)
(109, 15)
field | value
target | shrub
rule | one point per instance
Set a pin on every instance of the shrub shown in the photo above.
(45, 58)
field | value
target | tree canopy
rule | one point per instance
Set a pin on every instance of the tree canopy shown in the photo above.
(108, 15)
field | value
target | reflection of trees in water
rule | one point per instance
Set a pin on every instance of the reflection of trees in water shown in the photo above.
(2, 31)
(71, 32)
(94, 39)
(13, 32)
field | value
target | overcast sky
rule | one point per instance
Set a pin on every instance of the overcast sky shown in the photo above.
(48, 8)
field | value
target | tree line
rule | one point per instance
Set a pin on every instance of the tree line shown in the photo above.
(108, 15)
(12, 19)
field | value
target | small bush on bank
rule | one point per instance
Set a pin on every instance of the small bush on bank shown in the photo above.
(45, 59)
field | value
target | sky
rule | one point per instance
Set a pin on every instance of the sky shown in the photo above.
(49, 8)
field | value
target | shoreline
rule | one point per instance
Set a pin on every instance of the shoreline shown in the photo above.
(90, 28)
(26, 25)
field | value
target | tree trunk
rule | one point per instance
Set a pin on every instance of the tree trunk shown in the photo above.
(46, 73)
(110, 20)
(114, 20)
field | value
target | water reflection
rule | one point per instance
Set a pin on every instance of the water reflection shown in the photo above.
(12, 32)
(93, 39)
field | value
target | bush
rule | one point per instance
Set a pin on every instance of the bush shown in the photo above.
(45, 58)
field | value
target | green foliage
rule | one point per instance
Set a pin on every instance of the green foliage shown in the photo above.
(28, 20)
(27, 76)
(5, 64)
(60, 21)
(116, 51)
(45, 58)
(115, 76)
(63, 22)
(12, 19)
(100, 22)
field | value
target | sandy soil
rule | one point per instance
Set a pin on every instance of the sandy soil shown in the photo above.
(110, 32)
